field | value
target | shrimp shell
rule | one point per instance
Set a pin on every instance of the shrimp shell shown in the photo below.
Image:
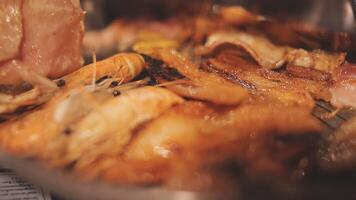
(123, 66)
(28, 134)
(109, 127)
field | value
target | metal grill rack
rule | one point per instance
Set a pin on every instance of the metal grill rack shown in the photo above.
(322, 112)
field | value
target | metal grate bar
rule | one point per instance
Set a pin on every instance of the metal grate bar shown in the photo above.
(322, 109)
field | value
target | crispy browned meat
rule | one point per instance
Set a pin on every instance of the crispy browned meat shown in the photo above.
(307, 73)
(265, 53)
(272, 56)
(277, 86)
(317, 59)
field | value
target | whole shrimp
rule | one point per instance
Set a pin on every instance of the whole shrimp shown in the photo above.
(120, 68)
(67, 102)
(109, 127)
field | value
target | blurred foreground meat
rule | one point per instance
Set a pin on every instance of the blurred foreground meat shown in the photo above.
(192, 137)
(41, 36)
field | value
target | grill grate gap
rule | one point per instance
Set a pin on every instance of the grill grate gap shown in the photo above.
(322, 109)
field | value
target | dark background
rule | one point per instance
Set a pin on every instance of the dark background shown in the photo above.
(333, 14)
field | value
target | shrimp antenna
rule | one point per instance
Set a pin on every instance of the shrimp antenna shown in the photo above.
(94, 68)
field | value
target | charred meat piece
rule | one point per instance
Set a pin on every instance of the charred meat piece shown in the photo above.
(196, 84)
(272, 56)
(277, 86)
